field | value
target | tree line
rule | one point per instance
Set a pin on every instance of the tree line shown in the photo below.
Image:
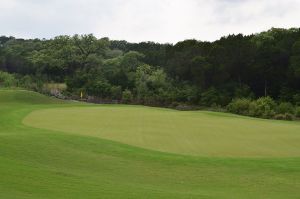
(191, 72)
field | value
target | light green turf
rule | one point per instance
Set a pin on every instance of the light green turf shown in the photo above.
(47, 164)
(191, 133)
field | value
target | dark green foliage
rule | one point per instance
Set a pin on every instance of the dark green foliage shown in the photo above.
(285, 107)
(7, 80)
(99, 88)
(243, 91)
(295, 59)
(190, 72)
(239, 106)
(185, 92)
(263, 107)
(209, 97)
(296, 99)
(152, 86)
(297, 112)
(116, 92)
(127, 96)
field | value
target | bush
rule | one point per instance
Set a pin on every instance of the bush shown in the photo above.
(185, 93)
(289, 116)
(297, 112)
(209, 97)
(116, 92)
(185, 107)
(279, 117)
(263, 107)
(285, 107)
(35, 83)
(286, 116)
(7, 80)
(239, 106)
(127, 96)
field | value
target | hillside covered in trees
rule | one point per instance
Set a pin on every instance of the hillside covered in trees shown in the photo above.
(231, 72)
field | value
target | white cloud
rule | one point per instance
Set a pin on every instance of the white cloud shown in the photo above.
(141, 20)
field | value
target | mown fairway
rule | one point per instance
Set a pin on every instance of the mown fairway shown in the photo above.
(89, 151)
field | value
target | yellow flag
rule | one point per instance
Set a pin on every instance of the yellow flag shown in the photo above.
(81, 94)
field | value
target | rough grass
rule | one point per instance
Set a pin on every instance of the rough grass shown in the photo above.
(18, 96)
(37, 163)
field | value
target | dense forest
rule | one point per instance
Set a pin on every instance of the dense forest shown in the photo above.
(245, 74)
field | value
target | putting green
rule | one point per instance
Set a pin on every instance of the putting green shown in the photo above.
(76, 163)
(192, 133)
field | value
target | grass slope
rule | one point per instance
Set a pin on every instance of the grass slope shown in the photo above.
(37, 163)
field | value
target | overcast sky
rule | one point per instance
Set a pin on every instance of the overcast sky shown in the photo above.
(145, 20)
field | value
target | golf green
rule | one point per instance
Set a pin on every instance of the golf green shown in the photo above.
(191, 133)
(53, 149)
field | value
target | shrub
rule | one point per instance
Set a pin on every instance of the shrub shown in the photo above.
(184, 93)
(185, 107)
(285, 107)
(127, 96)
(28, 82)
(7, 80)
(174, 104)
(289, 116)
(116, 92)
(209, 97)
(263, 107)
(286, 116)
(239, 106)
(297, 112)
(254, 109)
(279, 117)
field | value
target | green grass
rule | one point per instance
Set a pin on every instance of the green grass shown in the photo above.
(45, 163)
(190, 133)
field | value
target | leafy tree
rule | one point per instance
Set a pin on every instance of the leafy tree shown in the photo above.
(127, 96)
(285, 107)
(116, 92)
(100, 88)
(295, 60)
(7, 80)
(190, 72)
